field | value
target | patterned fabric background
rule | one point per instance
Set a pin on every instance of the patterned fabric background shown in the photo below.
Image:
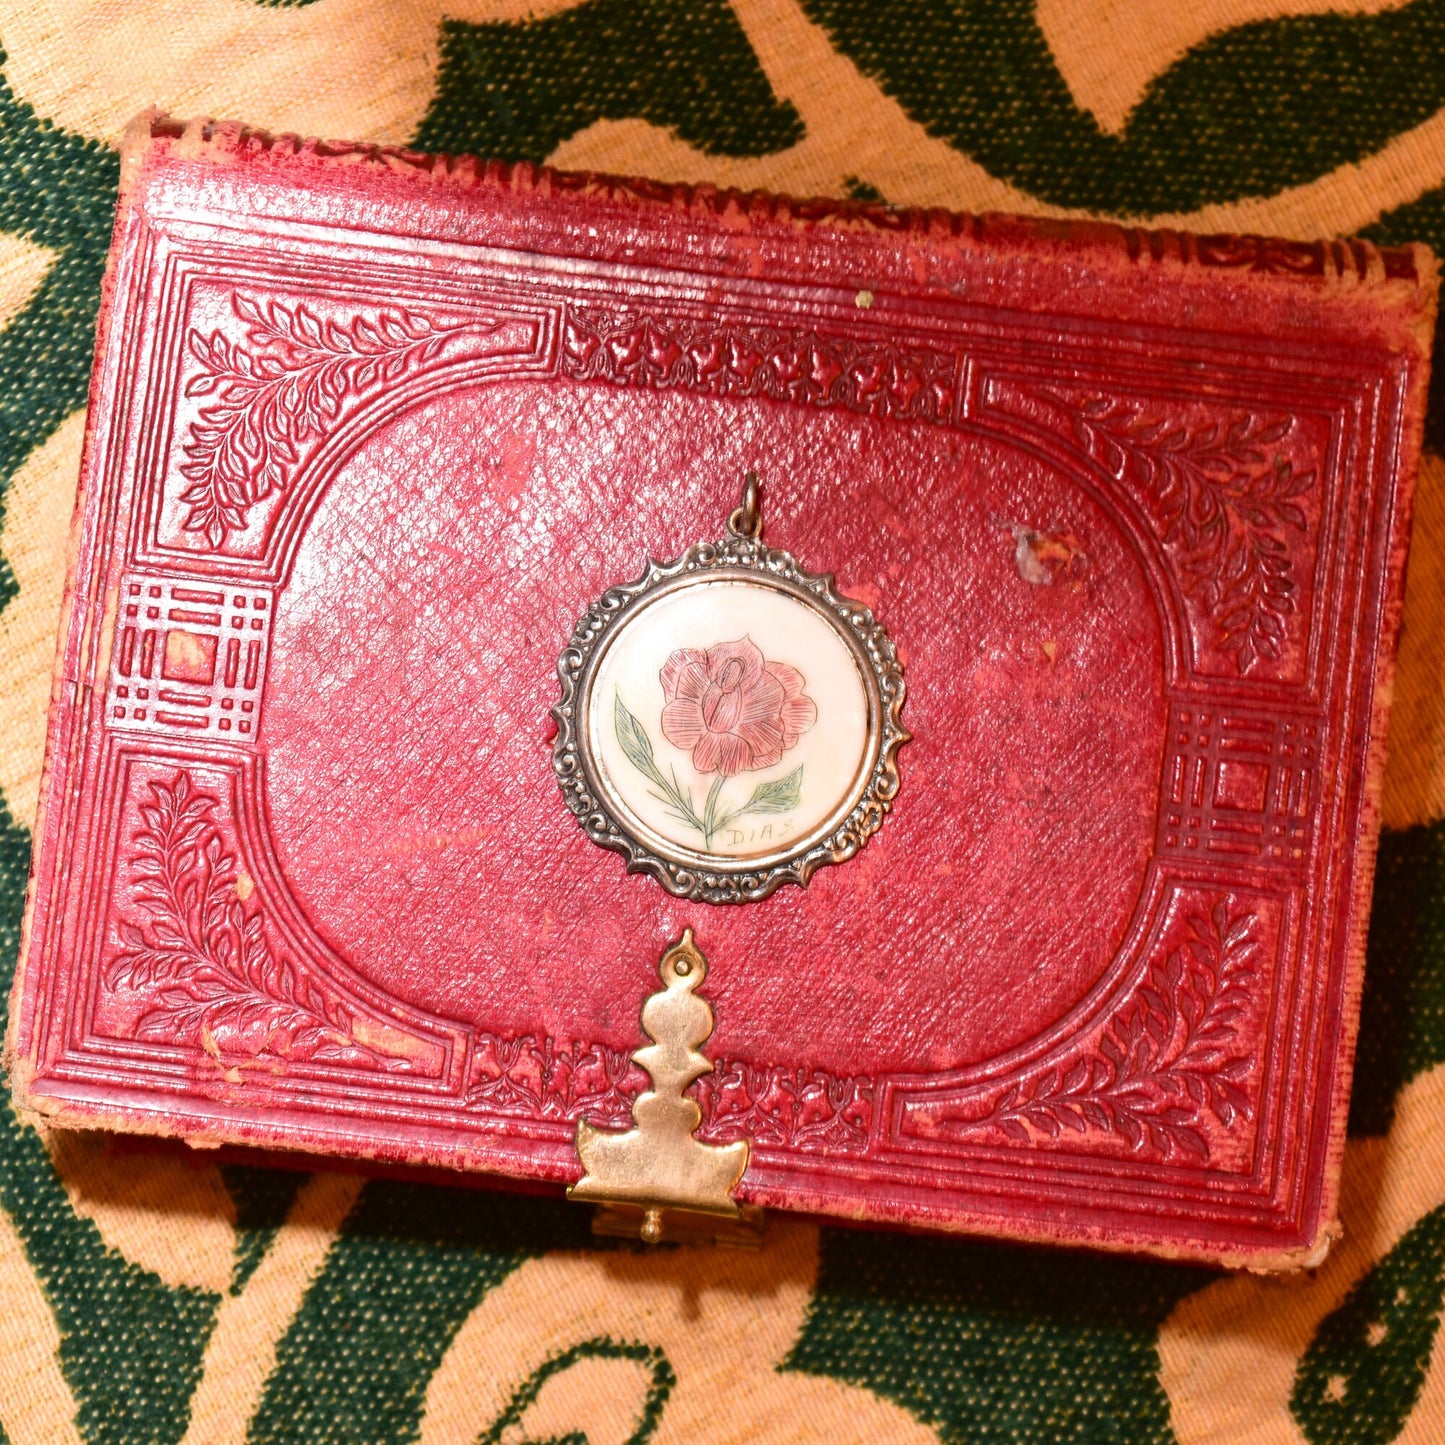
(159, 1300)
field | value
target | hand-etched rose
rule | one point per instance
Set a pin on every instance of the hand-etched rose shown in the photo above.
(731, 708)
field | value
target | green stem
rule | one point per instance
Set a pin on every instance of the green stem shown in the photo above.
(709, 825)
(675, 798)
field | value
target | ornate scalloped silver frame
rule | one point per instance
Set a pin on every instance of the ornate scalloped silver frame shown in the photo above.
(720, 880)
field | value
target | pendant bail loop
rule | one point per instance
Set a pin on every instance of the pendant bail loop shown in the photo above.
(747, 518)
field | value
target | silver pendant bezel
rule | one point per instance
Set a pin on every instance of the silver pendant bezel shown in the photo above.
(688, 873)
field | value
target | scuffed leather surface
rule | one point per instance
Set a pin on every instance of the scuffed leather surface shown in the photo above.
(408, 738)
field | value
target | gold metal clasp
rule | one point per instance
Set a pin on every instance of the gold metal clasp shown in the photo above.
(656, 1180)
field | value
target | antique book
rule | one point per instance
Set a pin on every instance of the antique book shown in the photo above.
(993, 774)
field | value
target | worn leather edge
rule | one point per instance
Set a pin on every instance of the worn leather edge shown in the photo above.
(1405, 468)
(1351, 262)
(19, 1066)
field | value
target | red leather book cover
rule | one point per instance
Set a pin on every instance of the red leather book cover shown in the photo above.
(370, 432)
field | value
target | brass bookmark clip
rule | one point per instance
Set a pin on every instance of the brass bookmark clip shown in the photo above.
(656, 1180)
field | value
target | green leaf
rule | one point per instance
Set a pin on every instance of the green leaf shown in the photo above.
(779, 796)
(602, 1348)
(517, 90)
(633, 739)
(1402, 1014)
(263, 1198)
(1363, 1372)
(411, 1263)
(994, 1344)
(1247, 112)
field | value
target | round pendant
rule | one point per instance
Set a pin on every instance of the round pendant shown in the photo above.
(729, 721)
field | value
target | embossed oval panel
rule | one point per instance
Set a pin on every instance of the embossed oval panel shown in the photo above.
(407, 738)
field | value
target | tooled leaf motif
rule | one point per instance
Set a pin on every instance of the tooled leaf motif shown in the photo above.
(537, 1076)
(739, 360)
(1167, 1060)
(288, 388)
(1225, 498)
(796, 1108)
(201, 958)
(769, 1105)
